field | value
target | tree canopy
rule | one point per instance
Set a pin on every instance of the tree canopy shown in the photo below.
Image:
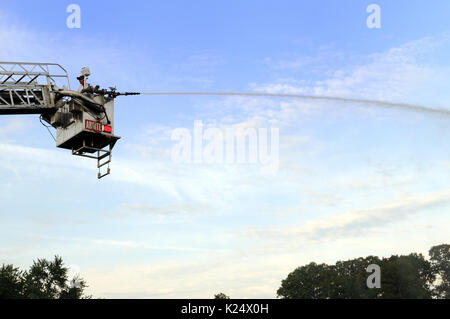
(410, 276)
(221, 295)
(44, 280)
(440, 264)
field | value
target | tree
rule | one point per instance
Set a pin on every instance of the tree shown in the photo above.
(440, 263)
(11, 282)
(401, 277)
(312, 281)
(406, 277)
(351, 279)
(221, 295)
(44, 280)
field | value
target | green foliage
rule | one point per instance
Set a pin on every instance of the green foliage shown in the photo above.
(440, 263)
(401, 277)
(11, 282)
(406, 277)
(221, 296)
(44, 280)
(309, 281)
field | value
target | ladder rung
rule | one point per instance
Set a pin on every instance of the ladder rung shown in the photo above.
(103, 164)
(104, 155)
(99, 176)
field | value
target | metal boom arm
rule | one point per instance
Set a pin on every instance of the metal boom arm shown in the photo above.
(27, 88)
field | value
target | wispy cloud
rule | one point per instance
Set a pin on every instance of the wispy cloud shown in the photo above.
(23, 44)
(356, 222)
(13, 125)
(174, 209)
(398, 74)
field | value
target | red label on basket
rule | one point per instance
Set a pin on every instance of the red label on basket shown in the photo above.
(93, 126)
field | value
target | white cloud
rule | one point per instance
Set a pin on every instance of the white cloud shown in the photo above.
(400, 74)
(14, 126)
(174, 209)
(27, 159)
(20, 43)
(189, 279)
(356, 222)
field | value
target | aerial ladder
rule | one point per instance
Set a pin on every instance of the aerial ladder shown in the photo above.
(84, 121)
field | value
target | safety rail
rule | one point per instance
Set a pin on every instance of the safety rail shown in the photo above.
(25, 87)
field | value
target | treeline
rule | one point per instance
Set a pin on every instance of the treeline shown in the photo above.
(405, 277)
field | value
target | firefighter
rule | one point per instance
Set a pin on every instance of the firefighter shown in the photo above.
(83, 85)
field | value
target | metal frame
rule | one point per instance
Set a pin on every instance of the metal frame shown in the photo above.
(28, 70)
(25, 87)
(44, 88)
(106, 153)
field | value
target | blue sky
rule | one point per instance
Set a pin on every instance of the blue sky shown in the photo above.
(354, 179)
